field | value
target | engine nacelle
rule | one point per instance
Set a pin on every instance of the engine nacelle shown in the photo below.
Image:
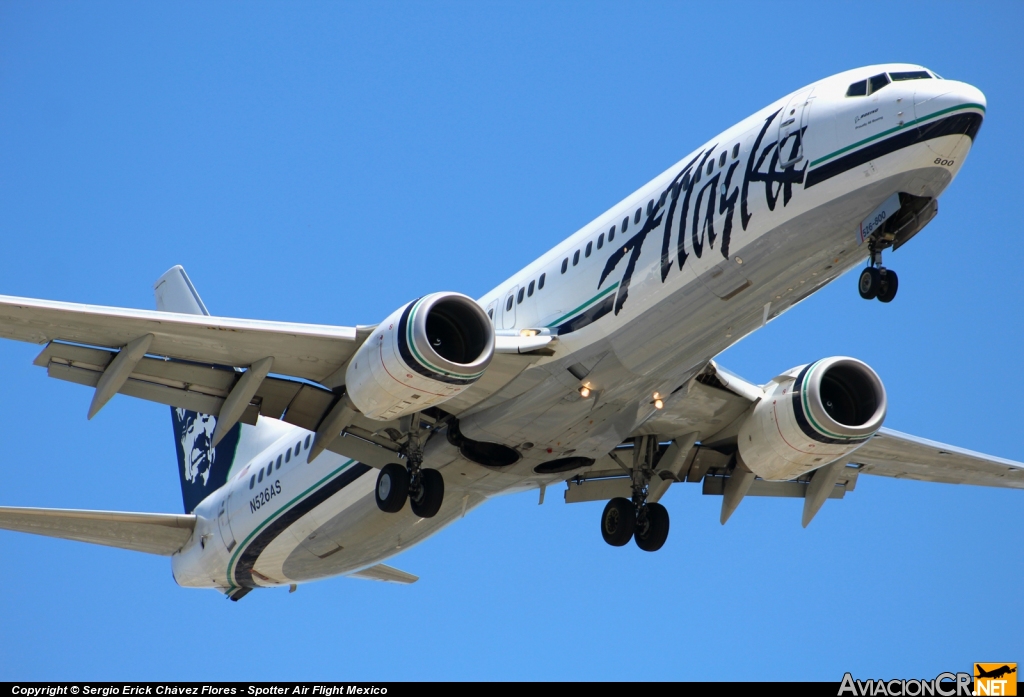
(422, 355)
(814, 415)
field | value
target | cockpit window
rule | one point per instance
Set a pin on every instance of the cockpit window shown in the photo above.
(871, 85)
(858, 89)
(910, 75)
(877, 82)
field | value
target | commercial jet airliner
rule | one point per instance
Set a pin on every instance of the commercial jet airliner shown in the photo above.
(308, 451)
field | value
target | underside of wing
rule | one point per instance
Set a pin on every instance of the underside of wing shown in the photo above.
(894, 454)
(154, 533)
(309, 351)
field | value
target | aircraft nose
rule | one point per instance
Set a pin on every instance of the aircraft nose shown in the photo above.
(935, 97)
(952, 113)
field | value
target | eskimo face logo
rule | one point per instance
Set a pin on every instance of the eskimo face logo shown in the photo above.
(197, 445)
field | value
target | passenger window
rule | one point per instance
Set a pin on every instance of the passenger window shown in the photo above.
(298, 447)
(858, 89)
(611, 234)
(540, 283)
(711, 165)
(721, 160)
(279, 462)
(261, 476)
(600, 240)
(912, 75)
(508, 304)
(650, 206)
(735, 151)
(522, 291)
(252, 482)
(625, 224)
(696, 176)
(288, 455)
(529, 291)
(576, 258)
(272, 464)
(270, 468)
(878, 82)
(308, 437)
(565, 264)
(661, 201)
(590, 248)
(636, 217)
(686, 180)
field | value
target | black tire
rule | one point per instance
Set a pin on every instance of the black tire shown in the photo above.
(652, 533)
(869, 283)
(392, 488)
(890, 284)
(618, 521)
(431, 495)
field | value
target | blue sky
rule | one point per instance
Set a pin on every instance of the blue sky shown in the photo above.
(329, 162)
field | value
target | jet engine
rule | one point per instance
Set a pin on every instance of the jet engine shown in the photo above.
(811, 416)
(422, 355)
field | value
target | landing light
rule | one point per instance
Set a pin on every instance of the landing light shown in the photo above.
(658, 404)
(528, 332)
(584, 392)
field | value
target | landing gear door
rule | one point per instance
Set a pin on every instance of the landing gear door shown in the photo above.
(792, 122)
(224, 523)
(508, 310)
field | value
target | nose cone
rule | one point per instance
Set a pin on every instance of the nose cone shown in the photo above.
(951, 113)
(936, 97)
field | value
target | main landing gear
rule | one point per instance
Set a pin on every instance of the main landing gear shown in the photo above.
(424, 488)
(876, 281)
(646, 523)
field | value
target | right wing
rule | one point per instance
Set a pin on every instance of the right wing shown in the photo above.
(155, 533)
(195, 362)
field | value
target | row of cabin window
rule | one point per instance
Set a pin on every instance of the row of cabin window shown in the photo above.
(526, 292)
(650, 209)
(277, 465)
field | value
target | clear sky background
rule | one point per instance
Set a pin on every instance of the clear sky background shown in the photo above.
(328, 162)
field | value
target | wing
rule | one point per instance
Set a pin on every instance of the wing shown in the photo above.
(154, 533)
(894, 454)
(221, 365)
(309, 351)
(716, 399)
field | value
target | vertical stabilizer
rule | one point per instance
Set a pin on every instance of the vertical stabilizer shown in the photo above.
(202, 467)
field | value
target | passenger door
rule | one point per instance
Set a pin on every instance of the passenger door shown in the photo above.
(792, 121)
(227, 536)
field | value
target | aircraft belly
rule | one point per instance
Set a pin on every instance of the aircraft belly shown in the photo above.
(365, 535)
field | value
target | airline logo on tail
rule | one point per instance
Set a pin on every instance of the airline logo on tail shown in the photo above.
(203, 468)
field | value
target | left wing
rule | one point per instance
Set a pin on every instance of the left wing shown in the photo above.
(716, 398)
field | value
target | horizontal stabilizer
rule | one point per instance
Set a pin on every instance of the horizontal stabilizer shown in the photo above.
(383, 572)
(154, 533)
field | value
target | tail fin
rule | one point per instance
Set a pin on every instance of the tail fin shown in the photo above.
(203, 468)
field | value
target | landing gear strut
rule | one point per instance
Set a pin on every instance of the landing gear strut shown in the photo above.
(876, 281)
(646, 523)
(424, 488)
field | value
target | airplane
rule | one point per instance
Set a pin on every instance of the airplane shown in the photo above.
(310, 451)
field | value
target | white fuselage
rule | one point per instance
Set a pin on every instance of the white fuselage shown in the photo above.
(641, 299)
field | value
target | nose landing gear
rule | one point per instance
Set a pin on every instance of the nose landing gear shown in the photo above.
(876, 281)
(646, 523)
